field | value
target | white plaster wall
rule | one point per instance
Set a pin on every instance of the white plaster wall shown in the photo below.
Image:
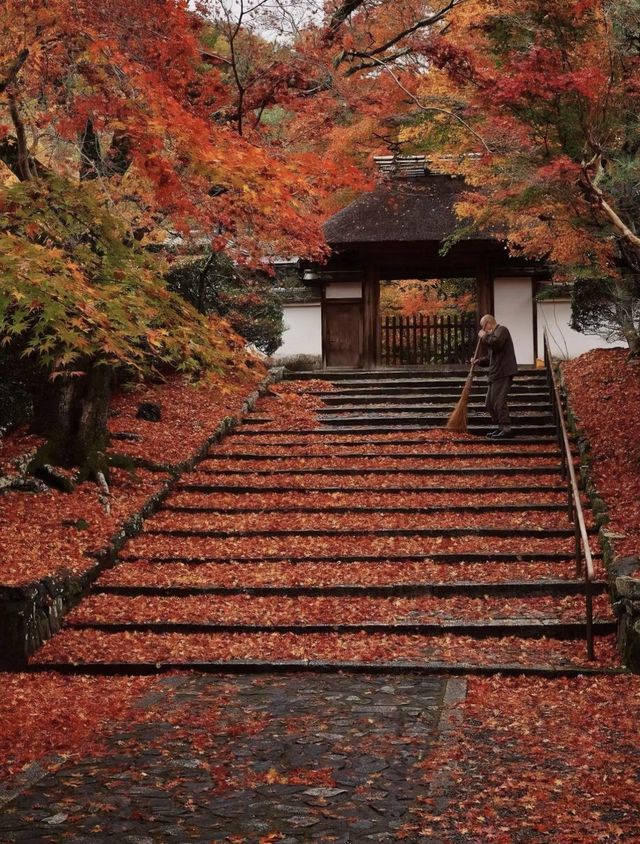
(555, 315)
(514, 308)
(302, 330)
(346, 290)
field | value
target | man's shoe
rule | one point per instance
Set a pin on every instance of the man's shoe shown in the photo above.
(503, 435)
(493, 434)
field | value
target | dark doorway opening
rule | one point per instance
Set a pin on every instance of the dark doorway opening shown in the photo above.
(427, 322)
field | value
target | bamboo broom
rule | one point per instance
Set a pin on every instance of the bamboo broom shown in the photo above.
(458, 419)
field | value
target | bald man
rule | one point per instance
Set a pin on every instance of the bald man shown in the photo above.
(498, 354)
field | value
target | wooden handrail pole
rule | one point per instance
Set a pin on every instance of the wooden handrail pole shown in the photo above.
(591, 652)
(574, 507)
(576, 533)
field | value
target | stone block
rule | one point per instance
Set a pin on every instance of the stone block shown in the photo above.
(628, 587)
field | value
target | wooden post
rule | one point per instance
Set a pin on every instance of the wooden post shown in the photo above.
(371, 317)
(387, 345)
(414, 320)
(485, 295)
(534, 306)
(323, 317)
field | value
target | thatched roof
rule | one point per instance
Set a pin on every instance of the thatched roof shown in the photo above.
(414, 210)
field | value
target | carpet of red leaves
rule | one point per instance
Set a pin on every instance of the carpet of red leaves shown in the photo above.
(604, 391)
(417, 443)
(290, 405)
(313, 547)
(49, 533)
(537, 761)
(93, 646)
(405, 480)
(42, 534)
(377, 499)
(69, 716)
(388, 463)
(506, 711)
(144, 573)
(190, 414)
(249, 609)
(347, 521)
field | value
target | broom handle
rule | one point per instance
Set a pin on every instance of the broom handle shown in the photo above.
(475, 355)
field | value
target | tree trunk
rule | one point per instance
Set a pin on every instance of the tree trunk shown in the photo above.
(632, 337)
(72, 412)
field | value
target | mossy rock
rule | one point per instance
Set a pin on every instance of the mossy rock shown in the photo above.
(631, 652)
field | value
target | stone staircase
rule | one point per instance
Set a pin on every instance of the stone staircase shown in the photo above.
(363, 539)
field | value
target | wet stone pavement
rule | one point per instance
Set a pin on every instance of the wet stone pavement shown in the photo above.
(318, 758)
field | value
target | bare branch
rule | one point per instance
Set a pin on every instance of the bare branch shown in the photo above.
(421, 24)
(377, 62)
(437, 109)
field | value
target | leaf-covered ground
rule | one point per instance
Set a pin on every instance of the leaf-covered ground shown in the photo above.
(45, 533)
(43, 714)
(535, 761)
(604, 392)
(564, 747)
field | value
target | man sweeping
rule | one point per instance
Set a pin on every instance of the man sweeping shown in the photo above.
(496, 352)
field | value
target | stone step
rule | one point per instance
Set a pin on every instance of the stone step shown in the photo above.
(457, 381)
(544, 628)
(413, 390)
(357, 416)
(495, 471)
(486, 452)
(431, 407)
(317, 666)
(453, 559)
(520, 384)
(529, 433)
(524, 508)
(444, 532)
(333, 435)
(514, 588)
(144, 651)
(402, 373)
(493, 490)
(431, 400)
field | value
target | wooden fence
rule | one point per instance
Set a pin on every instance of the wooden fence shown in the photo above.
(424, 341)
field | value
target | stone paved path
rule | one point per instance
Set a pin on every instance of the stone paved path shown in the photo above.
(318, 758)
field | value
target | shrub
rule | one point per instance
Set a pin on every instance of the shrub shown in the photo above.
(248, 300)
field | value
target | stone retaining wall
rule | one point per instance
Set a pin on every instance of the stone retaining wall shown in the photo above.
(31, 614)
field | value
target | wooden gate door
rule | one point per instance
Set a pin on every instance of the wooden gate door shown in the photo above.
(343, 333)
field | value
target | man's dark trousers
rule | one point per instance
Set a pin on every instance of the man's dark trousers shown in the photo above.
(496, 402)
